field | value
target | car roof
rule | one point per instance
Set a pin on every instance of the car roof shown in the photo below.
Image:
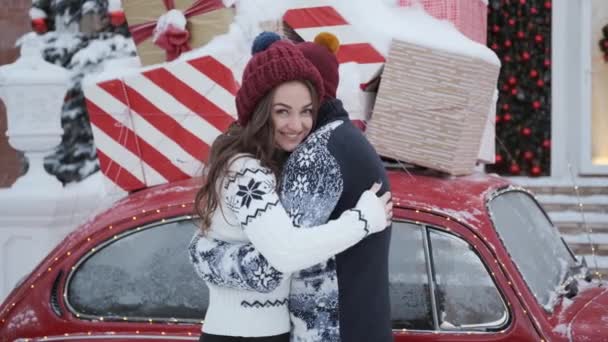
(462, 198)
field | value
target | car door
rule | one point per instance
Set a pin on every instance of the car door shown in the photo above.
(443, 288)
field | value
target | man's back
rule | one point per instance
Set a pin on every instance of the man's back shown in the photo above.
(349, 293)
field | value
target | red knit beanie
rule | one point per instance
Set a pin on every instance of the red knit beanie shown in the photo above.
(278, 63)
(322, 54)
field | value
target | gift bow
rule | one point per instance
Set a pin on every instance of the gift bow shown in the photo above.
(170, 31)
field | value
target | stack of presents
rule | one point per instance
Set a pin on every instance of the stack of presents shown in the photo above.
(419, 104)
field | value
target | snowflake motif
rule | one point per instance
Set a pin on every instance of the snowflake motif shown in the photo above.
(300, 185)
(265, 275)
(306, 157)
(250, 192)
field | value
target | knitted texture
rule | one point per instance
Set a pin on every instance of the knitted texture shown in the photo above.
(280, 62)
(321, 56)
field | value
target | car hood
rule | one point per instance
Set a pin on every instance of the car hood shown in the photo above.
(591, 322)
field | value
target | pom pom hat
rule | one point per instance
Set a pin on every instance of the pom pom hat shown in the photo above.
(274, 62)
(322, 54)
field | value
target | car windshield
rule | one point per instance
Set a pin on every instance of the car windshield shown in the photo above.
(534, 244)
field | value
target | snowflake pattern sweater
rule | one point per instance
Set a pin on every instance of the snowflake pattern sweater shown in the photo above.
(250, 211)
(344, 298)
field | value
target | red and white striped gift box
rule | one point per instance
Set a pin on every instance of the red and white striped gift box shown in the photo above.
(313, 17)
(469, 16)
(156, 126)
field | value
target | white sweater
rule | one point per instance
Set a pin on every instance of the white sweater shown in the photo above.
(249, 210)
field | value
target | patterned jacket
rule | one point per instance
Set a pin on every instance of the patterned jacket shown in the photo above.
(345, 298)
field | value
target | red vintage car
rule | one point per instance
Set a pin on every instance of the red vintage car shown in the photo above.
(472, 259)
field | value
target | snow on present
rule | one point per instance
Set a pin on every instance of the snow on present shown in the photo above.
(114, 5)
(385, 21)
(174, 18)
(36, 13)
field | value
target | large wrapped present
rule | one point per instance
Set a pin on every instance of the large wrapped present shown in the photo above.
(163, 29)
(432, 107)
(156, 126)
(469, 16)
(310, 18)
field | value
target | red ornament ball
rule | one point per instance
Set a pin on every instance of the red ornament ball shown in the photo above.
(495, 28)
(548, 4)
(513, 91)
(547, 62)
(536, 170)
(540, 83)
(505, 106)
(498, 158)
(533, 10)
(507, 117)
(523, 2)
(494, 46)
(547, 143)
(521, 34)
(536, 104)
(508, 43)
(525, 55)
(514, 169)
(512, 80)
(511, 22)
(539, 38)
(526, 131)
(507, 58)
(533, 73)
(117, 18)
(39, 25)
(528, 155)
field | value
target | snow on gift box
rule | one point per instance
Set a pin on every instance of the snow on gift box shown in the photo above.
(469, 16)
(163, 29)
(156, 125)
(434, 97)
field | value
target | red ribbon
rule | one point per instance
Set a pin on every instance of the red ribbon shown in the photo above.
(174, 40)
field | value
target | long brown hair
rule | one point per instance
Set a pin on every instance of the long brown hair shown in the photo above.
(256, 138)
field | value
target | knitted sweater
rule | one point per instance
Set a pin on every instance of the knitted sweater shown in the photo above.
(250, 211)
(344, 298)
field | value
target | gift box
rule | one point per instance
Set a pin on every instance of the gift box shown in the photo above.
(313, 17)
(432, 107)
(469, 16)
(163, 29)
(157, 126)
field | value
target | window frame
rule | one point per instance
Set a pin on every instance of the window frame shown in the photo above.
(100, 246)
(505, 321)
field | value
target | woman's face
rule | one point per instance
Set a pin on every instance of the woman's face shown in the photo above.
(292, 114)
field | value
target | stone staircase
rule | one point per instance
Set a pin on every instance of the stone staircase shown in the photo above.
(581, 216)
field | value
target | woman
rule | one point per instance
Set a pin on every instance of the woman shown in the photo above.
(276, 106)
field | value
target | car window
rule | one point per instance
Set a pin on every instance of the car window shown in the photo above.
(466, 296)
(143, 274)
(409, 280)
(523, 227)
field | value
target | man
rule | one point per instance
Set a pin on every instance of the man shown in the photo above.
(346, 298)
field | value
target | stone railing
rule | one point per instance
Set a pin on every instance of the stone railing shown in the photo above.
(37, 212)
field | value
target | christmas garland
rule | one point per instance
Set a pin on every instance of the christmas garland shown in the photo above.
(604, 42)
